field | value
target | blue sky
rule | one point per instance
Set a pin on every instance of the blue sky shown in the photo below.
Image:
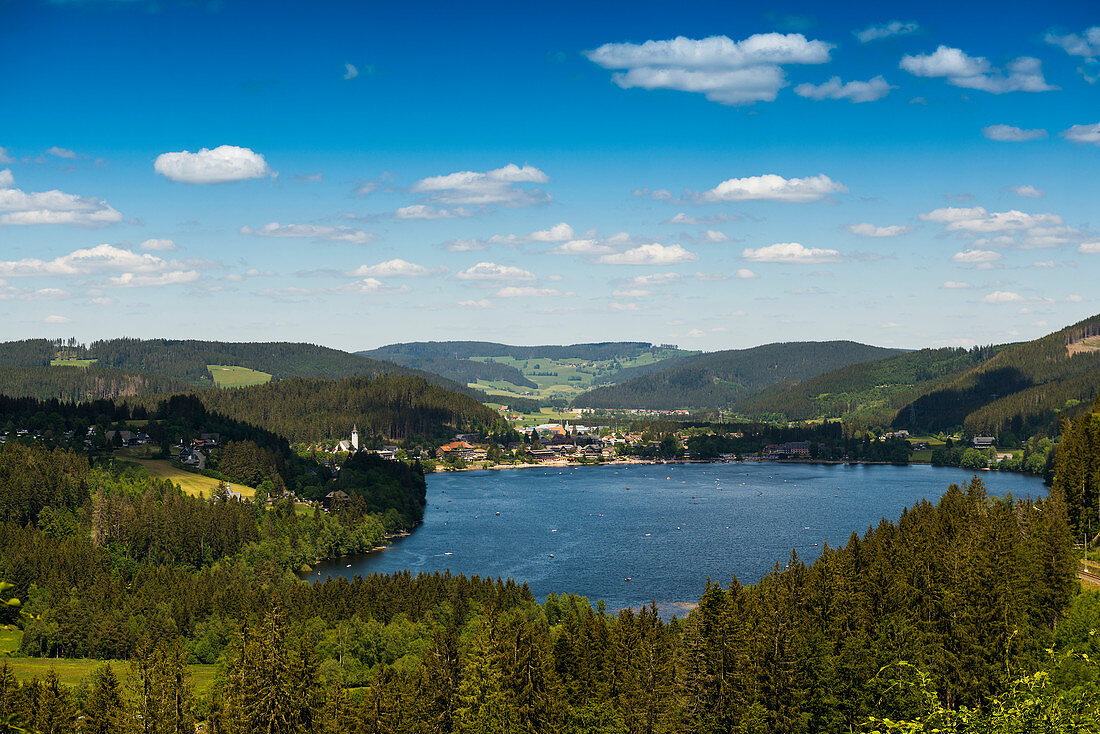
(707, 174)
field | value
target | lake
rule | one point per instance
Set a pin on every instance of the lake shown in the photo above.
(632, 534)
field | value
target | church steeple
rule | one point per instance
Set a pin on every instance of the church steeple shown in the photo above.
(355, 437)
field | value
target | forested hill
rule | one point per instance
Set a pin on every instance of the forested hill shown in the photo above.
(397, 407)
(186, 362)
(869, 393)
(1022, 389)
(720, 379)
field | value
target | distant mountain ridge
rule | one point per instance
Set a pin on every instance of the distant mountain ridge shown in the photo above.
(720, 379)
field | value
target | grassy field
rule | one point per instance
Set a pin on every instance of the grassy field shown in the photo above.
(10, 637)
(71, 362)
(229, 376)
(72, 671)
(190, 482)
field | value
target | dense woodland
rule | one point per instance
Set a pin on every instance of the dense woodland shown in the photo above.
(307, 410)
(867, 393)
(720, 379)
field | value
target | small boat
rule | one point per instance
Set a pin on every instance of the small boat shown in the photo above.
(551, 555)
(348, 566)
(628, 578)
(498, 514)
(647, 535)
(447, 553)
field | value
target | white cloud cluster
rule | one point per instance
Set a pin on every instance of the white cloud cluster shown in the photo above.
(684, 218)
(650, 254)
(771, 187)
(865, 229)
(868, 91)
(396, 268)
(61, 153)
(221, 165)
(1012, 228)
(1086, 44)
(725, 71)
(527, 291)
(1027, 191)
(498, 187)
(5, 157)
(561, 232)
(133, 268)
(425, 211)
(488, 271)
(1011, 134)
(19, 207)
(790, 252)
(319, 232)
(158, 245)
(997, 297)
(1025, 74)
(886, 30)
(1084, 134)
(970, 257)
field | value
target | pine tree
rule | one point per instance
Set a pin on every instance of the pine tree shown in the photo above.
(104, 709)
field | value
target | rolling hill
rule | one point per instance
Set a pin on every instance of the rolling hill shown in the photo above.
(869, 393)
(720, 379)
(546, 372)
(121, 367)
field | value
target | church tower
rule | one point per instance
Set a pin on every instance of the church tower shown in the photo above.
(355, 438)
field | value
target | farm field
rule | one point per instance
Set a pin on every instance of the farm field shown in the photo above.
(562, 378)
(71, 671)
(191, 483)
(231, 376)
(71, 362)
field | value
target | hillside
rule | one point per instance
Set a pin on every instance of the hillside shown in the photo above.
(720, 379)
(153, 366)
(548, 373)
(1023, 389)
(869, 393)
(397, 407)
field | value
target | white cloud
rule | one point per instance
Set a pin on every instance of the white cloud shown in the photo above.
(158, 245)
(835, 88)
(1083, 134)
(310, 177)
(696, 333)
(423, 211)
(61, 153)
(1010, 134)
(558, 233)
(5, 157)
(396, 268)
(683, 218)
(582, 247)
(790, 252)
(320, 232)
(465, 245)
(1027, 191)
(138, 280)
(771, 187)
(718, 276)
(745, 274)
(1074, 298)
(494, 272)
(101, 258)
(1025, 74)
(956, 285)
(496, 187)
(632, 293)
(651, 254)
(221, 165)
(527, 291)
(55, 319)
(1043, 265)
(885, 30)
(624, 307)
(363, 287)
(1003, 297)
(655, 279)
(656, 194)
(975, 256)
(18, 207)
(1089, 248)
(713, 235)
(1010, 228)
(350, 72)
(865, 229)
(479, 303)
(725, 71)
(1085, 45)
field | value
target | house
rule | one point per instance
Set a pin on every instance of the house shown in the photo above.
(128, 438)
(344, 445)
(983, 442)
(335, 499)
